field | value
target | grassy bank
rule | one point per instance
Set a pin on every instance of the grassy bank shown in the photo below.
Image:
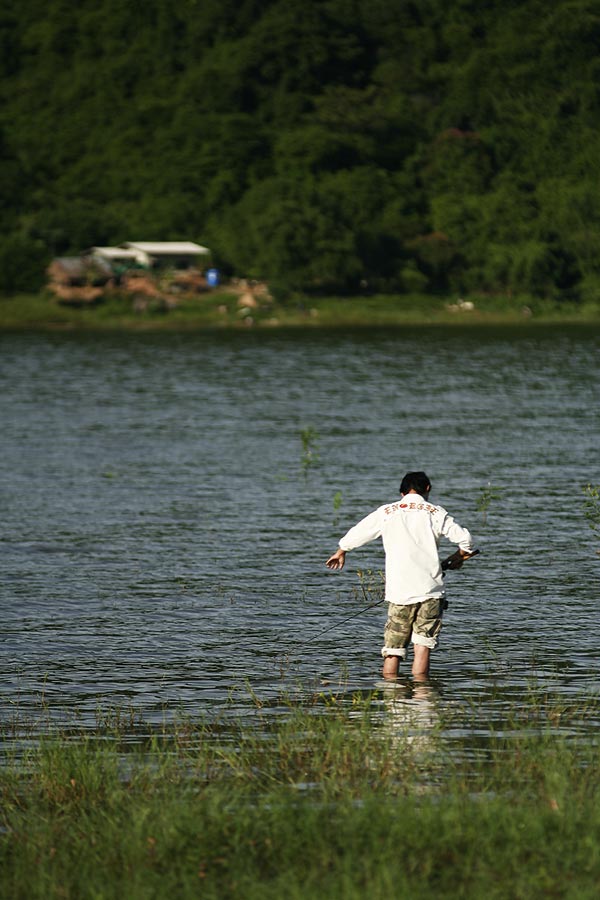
(329, 801)
(221, 310)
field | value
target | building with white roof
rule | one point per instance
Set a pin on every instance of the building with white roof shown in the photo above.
(172, 254)
(112, 254)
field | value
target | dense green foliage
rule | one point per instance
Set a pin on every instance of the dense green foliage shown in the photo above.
(321, 144)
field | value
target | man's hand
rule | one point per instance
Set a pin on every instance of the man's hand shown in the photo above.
(455, 560)
(337, 560)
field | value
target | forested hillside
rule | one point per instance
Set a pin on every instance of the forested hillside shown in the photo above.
(404, 146)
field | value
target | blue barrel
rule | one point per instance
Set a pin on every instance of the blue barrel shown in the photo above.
(212, 277)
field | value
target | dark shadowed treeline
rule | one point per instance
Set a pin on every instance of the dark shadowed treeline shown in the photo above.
(407, 146)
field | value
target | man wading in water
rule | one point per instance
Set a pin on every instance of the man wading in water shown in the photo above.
(411, 529)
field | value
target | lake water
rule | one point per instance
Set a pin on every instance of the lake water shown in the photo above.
(163, 544)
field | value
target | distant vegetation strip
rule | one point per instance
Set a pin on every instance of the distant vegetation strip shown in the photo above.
(222, 311)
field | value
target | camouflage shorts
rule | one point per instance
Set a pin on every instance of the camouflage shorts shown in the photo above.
(419, 622)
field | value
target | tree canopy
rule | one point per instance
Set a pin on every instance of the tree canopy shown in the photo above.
(323, 145)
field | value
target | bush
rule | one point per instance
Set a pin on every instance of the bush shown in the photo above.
(22, 264)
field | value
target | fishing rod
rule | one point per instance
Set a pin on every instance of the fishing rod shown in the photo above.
(446, 564)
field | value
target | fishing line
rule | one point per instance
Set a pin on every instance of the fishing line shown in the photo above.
(343, 622)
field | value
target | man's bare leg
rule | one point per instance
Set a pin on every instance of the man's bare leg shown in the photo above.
(390, 666)
(420, 664)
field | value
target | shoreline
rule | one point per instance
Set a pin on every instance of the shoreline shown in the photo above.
(220, 312)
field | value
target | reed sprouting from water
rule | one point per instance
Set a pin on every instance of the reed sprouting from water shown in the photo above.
(333, 797)
(487, 495)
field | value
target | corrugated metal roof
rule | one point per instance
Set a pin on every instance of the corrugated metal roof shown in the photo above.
(112, 252)
(169, 248)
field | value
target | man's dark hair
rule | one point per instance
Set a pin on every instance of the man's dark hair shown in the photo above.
(415, 481)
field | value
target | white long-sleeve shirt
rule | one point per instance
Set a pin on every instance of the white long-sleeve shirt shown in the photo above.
(411, 529)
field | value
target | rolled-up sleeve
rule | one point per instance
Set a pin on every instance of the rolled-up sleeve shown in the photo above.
(368, 529)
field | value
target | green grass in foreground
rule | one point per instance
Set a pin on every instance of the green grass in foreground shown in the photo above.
(220, 310)
(321, 803)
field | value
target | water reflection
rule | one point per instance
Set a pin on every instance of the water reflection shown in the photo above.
(412, 713)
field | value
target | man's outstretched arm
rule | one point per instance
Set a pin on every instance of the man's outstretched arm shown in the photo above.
(364, 531)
